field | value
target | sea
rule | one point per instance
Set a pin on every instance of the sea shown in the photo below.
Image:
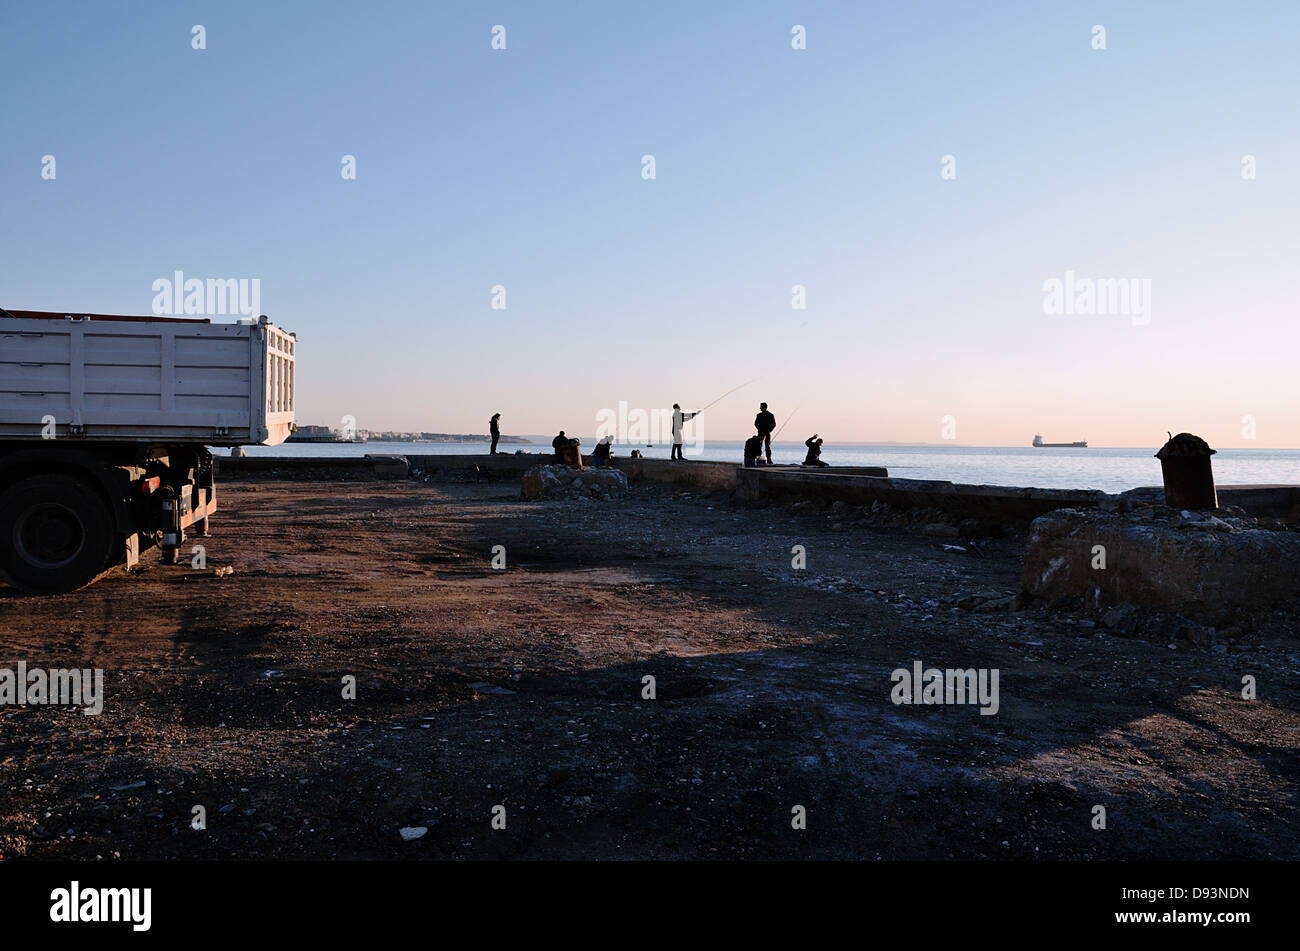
(1111, 470)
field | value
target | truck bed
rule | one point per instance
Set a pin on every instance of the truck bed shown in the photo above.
(145, 379)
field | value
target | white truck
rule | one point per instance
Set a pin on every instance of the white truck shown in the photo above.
(105, 424)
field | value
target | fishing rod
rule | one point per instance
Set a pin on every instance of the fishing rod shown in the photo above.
(728, 393)
(787, 419)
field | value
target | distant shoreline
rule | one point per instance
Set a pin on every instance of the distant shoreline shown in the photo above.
(364, 437)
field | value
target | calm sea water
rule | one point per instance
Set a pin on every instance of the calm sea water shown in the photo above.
(1112, 470)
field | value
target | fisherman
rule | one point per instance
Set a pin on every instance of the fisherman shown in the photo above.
(679, 418)
(602, 453)
(495, 428)
(814, 444)
(765, 422)
(753, 449)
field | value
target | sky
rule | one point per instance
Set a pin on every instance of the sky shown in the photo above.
(824, 167)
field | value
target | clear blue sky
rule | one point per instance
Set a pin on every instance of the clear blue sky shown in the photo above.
(775, 167)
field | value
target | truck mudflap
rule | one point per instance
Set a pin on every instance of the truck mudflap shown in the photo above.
(195, 514)
(189, 509)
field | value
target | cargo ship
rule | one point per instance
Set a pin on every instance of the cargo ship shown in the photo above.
(1039, 444)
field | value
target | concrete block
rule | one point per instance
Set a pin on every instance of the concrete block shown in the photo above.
(1203, 567)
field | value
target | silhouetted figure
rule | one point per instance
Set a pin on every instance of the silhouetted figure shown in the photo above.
(679, 419)
(603, 452)
(495, 429)
(814, 444)
(765, 422)
(753, 449)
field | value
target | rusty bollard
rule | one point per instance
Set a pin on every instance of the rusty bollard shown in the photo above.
(572, 454)
(1189, 480)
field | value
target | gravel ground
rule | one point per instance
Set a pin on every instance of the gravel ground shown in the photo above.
(484, 694)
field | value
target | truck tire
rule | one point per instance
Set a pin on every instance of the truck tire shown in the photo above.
(56, 534)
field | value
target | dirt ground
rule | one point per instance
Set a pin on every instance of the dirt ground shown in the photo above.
(523, 688)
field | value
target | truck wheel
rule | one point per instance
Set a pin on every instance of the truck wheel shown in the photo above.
(56, 534)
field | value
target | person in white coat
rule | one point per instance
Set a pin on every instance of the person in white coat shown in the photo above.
(679, 419)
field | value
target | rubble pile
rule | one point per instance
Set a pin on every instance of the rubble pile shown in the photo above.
(570, 482)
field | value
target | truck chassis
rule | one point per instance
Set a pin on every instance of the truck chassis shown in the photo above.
(71, 510)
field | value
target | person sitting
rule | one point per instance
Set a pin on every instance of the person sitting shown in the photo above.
(814, 444)
(753, 451)
(558, 444)
(603, 452)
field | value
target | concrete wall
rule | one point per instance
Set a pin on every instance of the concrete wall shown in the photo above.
(1274, 501)
(505, 466)
(700, 475)
(309, 468)
(968, 501)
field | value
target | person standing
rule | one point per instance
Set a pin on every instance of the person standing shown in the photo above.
(495, 429)
(679, 419)
(765, 422)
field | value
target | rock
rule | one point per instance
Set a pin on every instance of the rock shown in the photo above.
(539, 481)
(1122, 619)
(940, 530)
(411, 833)
(487, 688)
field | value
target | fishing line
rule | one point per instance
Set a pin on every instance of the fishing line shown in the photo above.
(787, 419)
(728, 393)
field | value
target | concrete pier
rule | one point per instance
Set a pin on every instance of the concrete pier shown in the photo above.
(856, 485)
